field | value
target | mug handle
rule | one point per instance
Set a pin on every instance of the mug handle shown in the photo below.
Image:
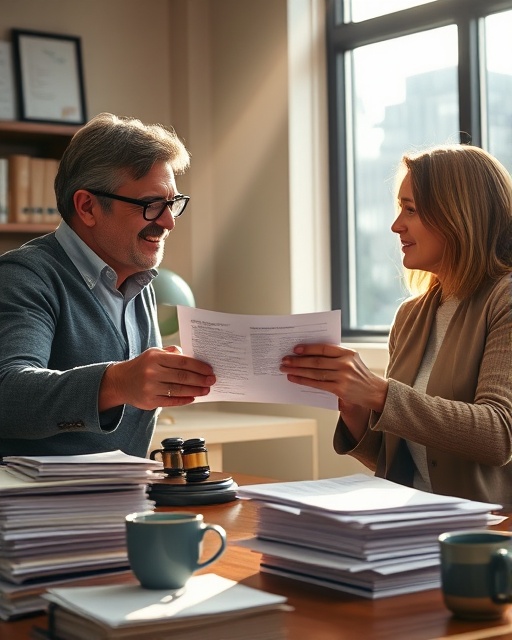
(222, 536)
(153, 454)
(501, 577)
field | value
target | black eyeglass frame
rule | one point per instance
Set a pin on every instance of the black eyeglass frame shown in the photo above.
(179, 197)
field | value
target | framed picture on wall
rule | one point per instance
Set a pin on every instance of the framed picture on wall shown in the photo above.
(7, 92)
(49, 77)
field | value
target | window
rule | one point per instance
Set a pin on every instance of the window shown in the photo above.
(430, 72)
(358, 10)
(498, 81)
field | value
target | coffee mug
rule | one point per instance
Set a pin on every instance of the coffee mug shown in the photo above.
(164, 548)
(476, 572)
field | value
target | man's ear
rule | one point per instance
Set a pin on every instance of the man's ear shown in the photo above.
(86, 207)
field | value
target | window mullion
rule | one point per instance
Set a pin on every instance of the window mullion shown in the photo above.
(469, 82)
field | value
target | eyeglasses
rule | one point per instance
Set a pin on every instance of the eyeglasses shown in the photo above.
(151, 210)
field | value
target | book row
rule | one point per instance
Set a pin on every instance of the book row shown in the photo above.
(27, 192)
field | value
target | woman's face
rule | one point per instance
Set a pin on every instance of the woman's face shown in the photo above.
(422, 248)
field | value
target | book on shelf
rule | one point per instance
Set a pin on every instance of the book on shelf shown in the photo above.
(359, 534)
(36, 190)
(27, 192)
(4, 191)
(19, 188)
(50, 212)
(209, 606)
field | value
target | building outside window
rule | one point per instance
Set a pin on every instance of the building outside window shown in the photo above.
(402, 75)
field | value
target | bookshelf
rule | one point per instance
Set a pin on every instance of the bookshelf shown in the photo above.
(36, 140)
(47, 140)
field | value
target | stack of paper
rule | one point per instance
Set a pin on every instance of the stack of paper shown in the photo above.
(359, 534)
(62, 519)
(208, 607)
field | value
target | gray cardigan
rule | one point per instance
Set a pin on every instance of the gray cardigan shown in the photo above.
(56, 340)
(465, 418)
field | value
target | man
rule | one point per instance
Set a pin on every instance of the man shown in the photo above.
(82, 368)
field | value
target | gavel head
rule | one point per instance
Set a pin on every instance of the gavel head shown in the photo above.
(195, 460)
(172, 456)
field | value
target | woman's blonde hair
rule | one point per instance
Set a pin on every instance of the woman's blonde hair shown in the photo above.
(463, 194)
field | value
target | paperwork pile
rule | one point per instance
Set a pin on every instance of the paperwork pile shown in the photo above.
(363, 535)
(62, 520)
(209, 606)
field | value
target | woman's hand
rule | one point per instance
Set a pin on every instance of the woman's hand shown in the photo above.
(338, 370)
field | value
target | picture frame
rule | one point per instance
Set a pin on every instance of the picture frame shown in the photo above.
(8, 107)
(49, 77)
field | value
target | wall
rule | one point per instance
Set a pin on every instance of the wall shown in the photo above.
(125, 71)
(217, 70)
(126, 60)
(244, 46)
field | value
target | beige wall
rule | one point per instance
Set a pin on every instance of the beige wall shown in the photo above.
(241, 109)
(125, 48)
(250, 103)
(217, 70)
(126, 59)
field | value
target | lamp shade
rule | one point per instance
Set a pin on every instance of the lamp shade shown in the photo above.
(171, 290)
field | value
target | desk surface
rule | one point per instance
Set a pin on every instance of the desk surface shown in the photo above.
(322, 614)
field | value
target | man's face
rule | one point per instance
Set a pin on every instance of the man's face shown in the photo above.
(122, 237)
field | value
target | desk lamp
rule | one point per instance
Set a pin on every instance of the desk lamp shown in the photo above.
(171, 290)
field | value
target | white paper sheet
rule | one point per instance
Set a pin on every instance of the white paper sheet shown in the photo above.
(107, 464)
(357, 493)
(317, 558)
(245, 352)
(127, 605)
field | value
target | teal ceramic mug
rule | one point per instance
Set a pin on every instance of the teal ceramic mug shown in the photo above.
(476, 572)
(164, 549)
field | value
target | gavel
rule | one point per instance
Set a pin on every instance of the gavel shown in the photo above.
(185, 458)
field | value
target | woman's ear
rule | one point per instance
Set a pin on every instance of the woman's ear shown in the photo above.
(86, 207)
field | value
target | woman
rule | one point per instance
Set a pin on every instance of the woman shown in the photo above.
(441, 420)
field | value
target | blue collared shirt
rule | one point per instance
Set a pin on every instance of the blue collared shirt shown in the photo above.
(101, 280)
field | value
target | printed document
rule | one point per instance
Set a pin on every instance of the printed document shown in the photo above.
(358, 493)
(205, 599)
(245, 352)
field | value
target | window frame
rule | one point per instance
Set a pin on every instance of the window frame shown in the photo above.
(341, 38)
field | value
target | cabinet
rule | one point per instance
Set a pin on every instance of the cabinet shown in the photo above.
(220, 428)
(35, 139)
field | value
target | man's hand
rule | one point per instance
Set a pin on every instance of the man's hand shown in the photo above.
(156, 378)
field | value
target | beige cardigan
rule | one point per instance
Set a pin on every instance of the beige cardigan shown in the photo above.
(465, 418)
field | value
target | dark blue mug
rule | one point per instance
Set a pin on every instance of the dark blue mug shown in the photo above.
(476, 572)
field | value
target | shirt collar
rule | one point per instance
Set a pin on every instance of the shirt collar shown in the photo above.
(89, 264)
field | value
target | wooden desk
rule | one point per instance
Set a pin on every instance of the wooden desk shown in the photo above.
(221, 427)
(321, 614)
